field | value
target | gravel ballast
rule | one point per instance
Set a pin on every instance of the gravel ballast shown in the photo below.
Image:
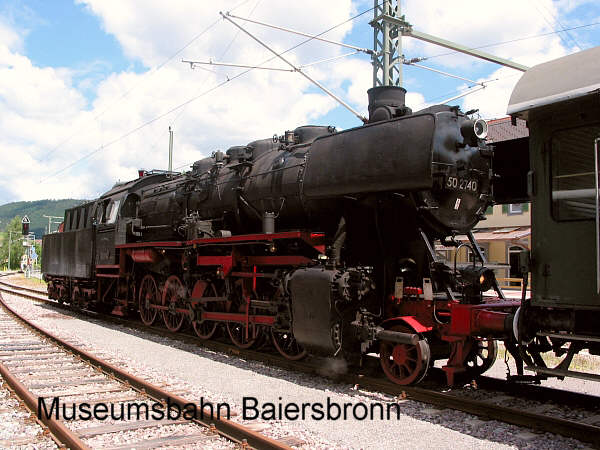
(225, 378)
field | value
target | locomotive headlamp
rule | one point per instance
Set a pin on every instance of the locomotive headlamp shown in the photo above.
(480, 278)
(481, 128)
(472, 130)
(486, 279)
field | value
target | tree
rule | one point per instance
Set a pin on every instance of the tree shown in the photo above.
(12, 234)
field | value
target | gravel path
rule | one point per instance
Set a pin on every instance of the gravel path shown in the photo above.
(225, 378)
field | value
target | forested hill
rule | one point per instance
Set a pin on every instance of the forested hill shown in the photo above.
(35, 211)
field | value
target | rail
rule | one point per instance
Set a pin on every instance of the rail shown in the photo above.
(224, 427)
(530, 419)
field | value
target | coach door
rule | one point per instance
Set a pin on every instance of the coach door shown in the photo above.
(565, 229)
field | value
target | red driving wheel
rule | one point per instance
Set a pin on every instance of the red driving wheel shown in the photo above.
(173, 298)
(404, 363)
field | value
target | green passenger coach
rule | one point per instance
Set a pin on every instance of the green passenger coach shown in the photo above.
(560, 100)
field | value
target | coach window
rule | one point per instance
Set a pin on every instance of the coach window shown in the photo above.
(515, 208)
(573, 185)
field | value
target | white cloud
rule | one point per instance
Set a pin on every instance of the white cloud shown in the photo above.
(493, 100)
(487, 22)
(416, 101)
(46, 123)
(151, 30)
(482, 23)
(357, 73)
(10, 39)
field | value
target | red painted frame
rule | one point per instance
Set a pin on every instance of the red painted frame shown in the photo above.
(151, 244)
(313, 239)
(239, 318)
(224, 262)
(282, 260)
(485, 319)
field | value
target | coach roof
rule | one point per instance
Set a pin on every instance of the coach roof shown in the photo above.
(558, 80)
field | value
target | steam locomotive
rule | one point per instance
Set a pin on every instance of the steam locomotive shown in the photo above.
(322, 242)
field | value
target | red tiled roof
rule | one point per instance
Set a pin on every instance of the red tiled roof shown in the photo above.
(499, 234)
(502, 130)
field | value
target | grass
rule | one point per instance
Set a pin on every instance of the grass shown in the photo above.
(33, 282)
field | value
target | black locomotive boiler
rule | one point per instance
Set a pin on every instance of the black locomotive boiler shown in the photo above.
(322, 241)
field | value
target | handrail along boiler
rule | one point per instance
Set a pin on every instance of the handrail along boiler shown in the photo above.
(324, 241)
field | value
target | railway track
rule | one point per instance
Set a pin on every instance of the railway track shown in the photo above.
(494, 399)
(25, 429)
(40, 367)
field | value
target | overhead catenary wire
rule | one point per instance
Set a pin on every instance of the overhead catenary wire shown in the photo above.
(410, 63)
(468, 88)
(298, 45)
(300, 33)
(297, 69)
(199, 64)
(555, 19)
(139, 127)
(187, 102)
(470, 91)
(496, 44)
(131, 89)
(182, 111)
(135, 86)
(48, 154)
(333, 58)
(193, 65)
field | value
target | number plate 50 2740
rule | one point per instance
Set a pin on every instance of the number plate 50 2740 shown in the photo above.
(461, 184)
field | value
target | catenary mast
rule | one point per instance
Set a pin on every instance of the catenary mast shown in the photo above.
(387, 45)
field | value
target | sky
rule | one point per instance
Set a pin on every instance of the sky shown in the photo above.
(89, 88)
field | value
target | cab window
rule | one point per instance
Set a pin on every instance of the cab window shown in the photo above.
(112, 210)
